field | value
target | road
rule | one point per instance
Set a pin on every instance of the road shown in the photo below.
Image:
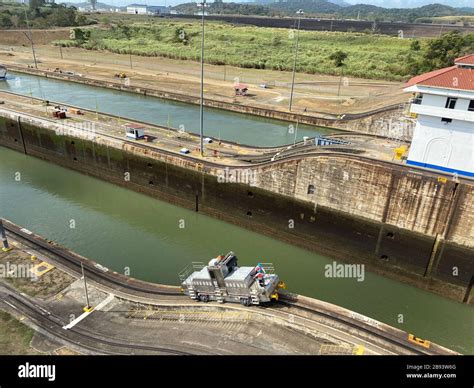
(170, 139)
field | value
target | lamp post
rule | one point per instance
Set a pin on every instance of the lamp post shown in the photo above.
(300, 13)
(29, 36)
(203, 5)
(88, 307)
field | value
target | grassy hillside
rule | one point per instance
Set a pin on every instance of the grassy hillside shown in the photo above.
(369, 56)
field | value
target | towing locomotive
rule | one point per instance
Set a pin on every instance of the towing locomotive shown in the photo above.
(222, 280)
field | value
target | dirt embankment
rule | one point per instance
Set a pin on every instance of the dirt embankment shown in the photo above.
(19, 37)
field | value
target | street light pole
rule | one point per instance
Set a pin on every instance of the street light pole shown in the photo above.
(88, 306)
(30, 38)
(299, 13)
(203, 5)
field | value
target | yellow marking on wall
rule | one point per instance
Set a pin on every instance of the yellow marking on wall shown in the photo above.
(359, 350)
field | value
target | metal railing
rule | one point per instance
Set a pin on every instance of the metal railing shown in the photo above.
(189, 269)
(269, 268)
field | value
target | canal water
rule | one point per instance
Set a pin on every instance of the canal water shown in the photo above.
(237, 127)
(123, 229)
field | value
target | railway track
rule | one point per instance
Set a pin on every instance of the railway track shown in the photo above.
(52, 325)
(299, 308)
(73, 262)
(400, 342)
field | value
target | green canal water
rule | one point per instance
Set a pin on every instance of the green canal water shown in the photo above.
(237, 127)
(120, 228)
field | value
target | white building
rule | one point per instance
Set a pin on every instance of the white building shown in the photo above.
(443, 105)
(142, 9)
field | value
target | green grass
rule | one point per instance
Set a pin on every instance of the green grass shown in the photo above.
(469, 20)
(370, 56)
(15, 337)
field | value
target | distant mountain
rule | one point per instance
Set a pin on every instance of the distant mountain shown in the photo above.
(367, 11)
(221, 8)
(309, 6)
(342, 3)
(413, 3)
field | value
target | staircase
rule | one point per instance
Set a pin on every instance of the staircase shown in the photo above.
(220, 294)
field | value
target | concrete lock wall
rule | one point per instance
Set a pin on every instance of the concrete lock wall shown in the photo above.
(400, 223)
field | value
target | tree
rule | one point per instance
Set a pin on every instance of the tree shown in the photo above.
(5, 21)
(338, 57)
(36, 4)
(442, 51)
(415, 45)
(180, 35)
(80, 35)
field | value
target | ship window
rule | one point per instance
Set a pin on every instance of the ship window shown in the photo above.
(471, 106)
(450, 102)
(446, 121)
(311, 189)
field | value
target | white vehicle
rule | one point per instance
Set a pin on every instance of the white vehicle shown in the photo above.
(184, 151)
(223, 281)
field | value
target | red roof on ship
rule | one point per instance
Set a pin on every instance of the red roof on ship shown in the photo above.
(454, 77)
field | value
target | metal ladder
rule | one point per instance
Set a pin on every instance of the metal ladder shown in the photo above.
(192, 293)
(254, 298)
(220, 294)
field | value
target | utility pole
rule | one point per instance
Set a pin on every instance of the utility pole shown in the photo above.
(340, 80)
(130, 52)
(88, 307)
(61, 51)
(203, 5)
(299, 13)
(225, 64)
(29, 36)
